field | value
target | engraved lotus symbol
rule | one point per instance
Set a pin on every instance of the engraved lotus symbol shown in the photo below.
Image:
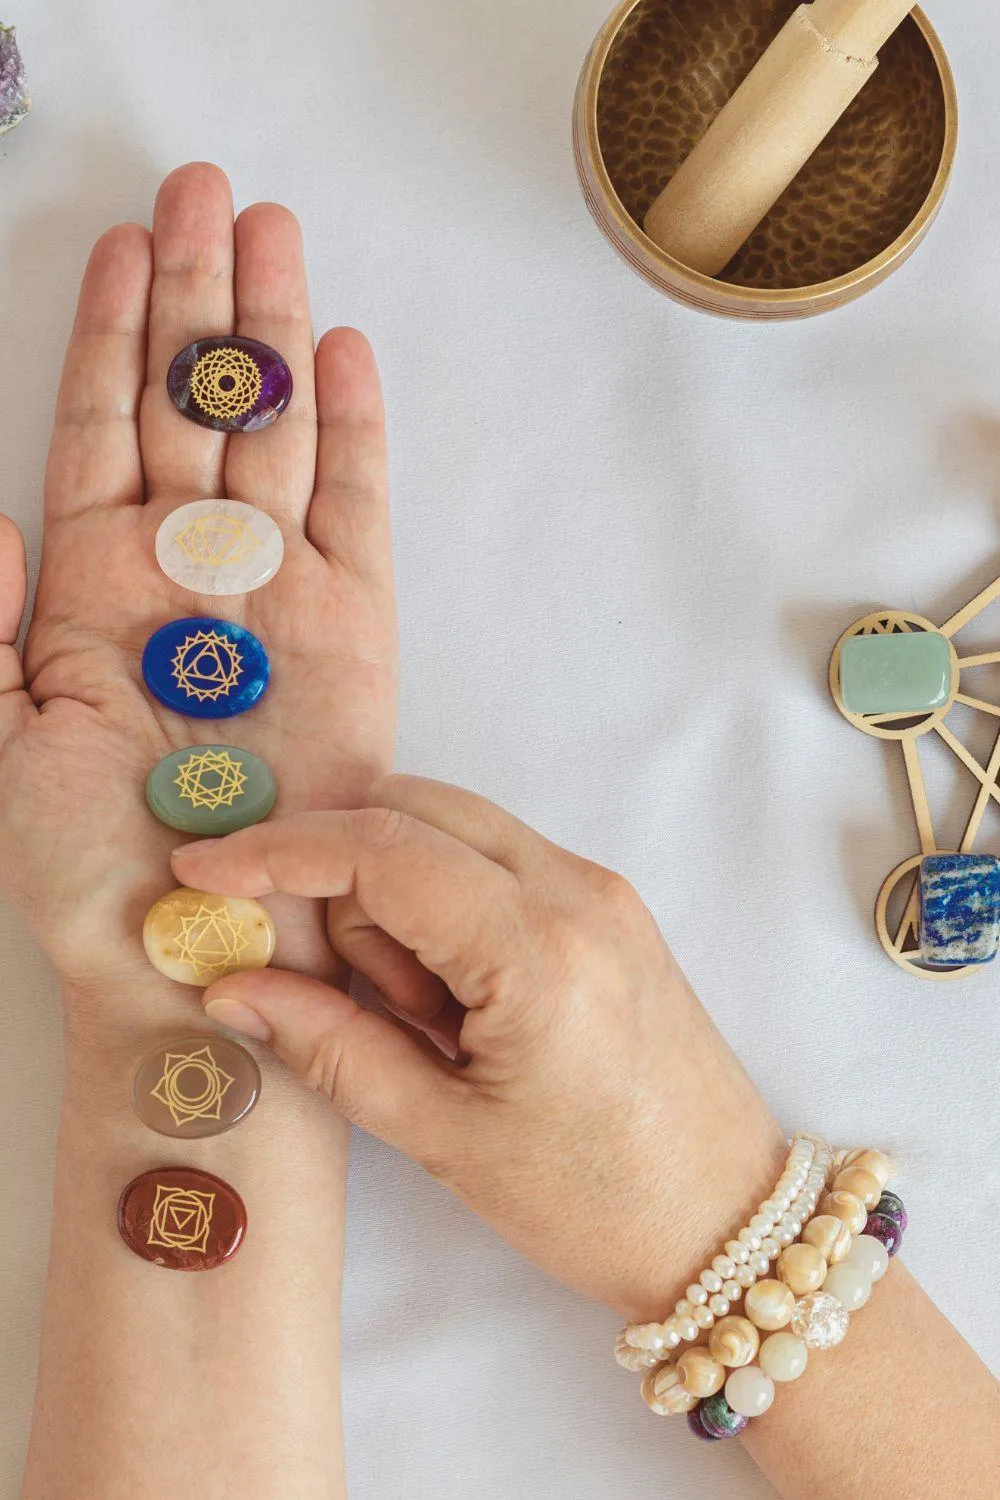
(210, 779)
(207, 666)
(226, 382)
(182, 1219)
(192, 1086)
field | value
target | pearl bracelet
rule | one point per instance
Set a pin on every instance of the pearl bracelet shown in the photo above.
(823, 1278)
(746, 1258)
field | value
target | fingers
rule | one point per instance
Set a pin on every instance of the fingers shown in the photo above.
(458, 912)
(94, 459)
(472, 819)
(276, 469)
(14, 701)
(375, 1074)
(409, 988)
(192, 298)
(349, 515)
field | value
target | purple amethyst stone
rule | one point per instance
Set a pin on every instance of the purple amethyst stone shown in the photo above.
(230, 384)
(14, 101)
(887, 1231)
(698, 1427)
(891, 1205)
(718, 1418)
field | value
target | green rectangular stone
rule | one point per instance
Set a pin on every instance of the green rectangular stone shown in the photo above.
(908, 672)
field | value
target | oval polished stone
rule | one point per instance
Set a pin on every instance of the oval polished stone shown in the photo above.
(205, 668)
(210, 790)
(219, 547)
(231, 384)
(196, 937)
(196, 1086)
(182, 1219)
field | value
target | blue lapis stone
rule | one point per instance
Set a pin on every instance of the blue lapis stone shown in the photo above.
(959, 909)
(205, 669)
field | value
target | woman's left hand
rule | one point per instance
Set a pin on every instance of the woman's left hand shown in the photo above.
(80, 854)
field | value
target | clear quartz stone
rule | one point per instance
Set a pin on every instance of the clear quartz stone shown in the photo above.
(820, 1321)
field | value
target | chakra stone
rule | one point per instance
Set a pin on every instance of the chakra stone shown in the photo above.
(197, 1086)
(891, 1205)
(182, 1219)
(210, 789)
(907, 672)
(959, 909)
(219, 547)
(14, 101)
(718, 1418)
(820, 1321)
(231, 384)
(205, 668)
(197, 938)
(887, 1231)
(698, 1427)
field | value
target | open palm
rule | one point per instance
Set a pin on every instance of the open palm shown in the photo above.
(80, 854)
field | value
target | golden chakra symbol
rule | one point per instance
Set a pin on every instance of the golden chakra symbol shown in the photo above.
(182, 1219)
(215, 541)
(226, 383)
(211, 779)
(211, 942)
(207, 666)
(193, 1086)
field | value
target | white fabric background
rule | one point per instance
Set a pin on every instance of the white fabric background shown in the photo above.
(627, 536)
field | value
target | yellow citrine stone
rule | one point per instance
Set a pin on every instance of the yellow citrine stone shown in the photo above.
(196, 937)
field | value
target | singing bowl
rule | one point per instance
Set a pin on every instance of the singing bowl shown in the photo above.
(658, 75)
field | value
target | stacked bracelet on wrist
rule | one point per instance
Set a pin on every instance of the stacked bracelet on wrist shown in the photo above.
(826, 1265)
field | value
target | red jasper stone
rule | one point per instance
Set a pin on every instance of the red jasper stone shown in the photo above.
(182, 1219)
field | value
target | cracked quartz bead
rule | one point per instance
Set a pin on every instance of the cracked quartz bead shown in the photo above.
(205, 668)
(196, 937)
(210, 790)
(219, 547)
(195, 1086)
(182, 1219)
(820, 1321)
(231, 384)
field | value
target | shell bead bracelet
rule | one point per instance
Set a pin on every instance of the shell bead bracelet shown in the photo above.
(745, 1260)
(821, 1279)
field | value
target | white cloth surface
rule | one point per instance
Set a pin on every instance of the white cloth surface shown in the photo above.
(627, 536)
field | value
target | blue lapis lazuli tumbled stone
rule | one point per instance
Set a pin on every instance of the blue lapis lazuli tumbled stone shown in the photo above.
(959, 909)
(205, 669)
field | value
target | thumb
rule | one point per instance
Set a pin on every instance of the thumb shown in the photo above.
(377, 1075)
(15, 704)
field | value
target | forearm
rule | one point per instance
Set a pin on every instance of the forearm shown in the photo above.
(149, 1376)
(902, 1407)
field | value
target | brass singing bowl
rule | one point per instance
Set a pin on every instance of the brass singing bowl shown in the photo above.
(658, 74)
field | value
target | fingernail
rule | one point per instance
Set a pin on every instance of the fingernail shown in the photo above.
(239, 1017)
(196, 844)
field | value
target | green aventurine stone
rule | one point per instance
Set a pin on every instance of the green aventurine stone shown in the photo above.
(210, 789)
(882, 674)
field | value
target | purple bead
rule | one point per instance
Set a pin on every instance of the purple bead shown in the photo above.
(698, 1428)
(891, 1205)
(230, 384)
(14, 102)
(718, 1418)
(887, 1231)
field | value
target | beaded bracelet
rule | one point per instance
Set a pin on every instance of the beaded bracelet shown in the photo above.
(746, 1258)
(823, 1278)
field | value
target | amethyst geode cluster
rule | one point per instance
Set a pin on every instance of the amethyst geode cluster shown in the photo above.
(14, 102)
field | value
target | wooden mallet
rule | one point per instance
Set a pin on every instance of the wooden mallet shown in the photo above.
(815, 67)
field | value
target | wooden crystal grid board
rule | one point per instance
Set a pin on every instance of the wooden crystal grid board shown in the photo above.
(901, 939)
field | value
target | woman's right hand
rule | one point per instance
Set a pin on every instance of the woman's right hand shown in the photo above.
(578, 1097)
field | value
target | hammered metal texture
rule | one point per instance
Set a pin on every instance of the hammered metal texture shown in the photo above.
(674, 65)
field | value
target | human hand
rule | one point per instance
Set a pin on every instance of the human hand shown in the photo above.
(552, 1066)
(80, 854)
